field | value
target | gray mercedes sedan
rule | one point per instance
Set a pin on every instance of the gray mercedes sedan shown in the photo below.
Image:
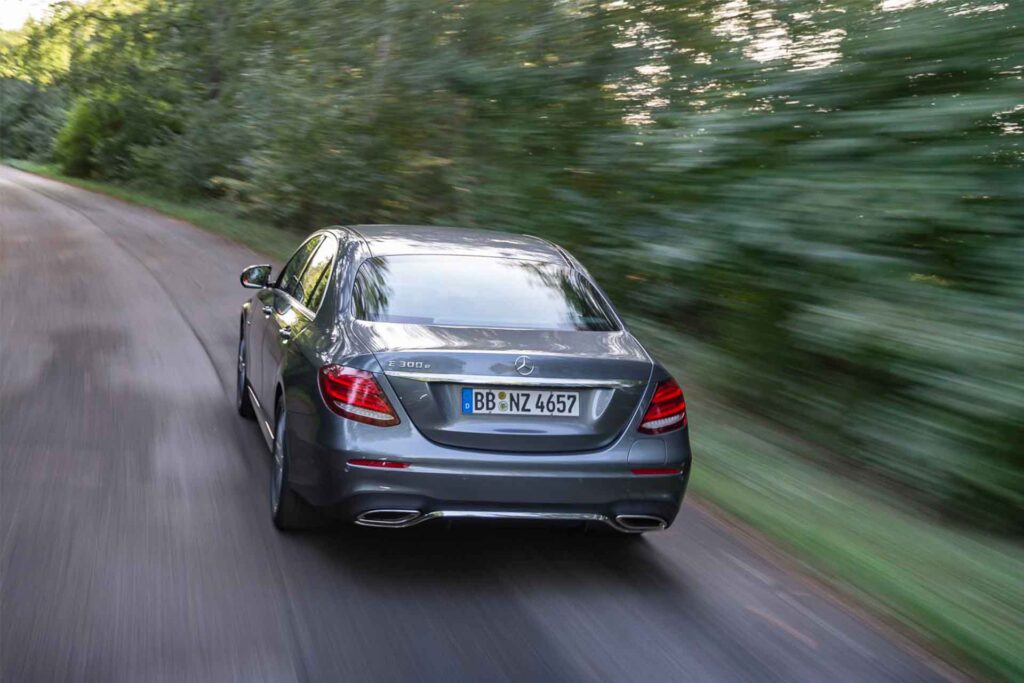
(402, 374)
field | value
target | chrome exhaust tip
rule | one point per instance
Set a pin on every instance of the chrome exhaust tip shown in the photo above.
(640, 522)
(389, 518)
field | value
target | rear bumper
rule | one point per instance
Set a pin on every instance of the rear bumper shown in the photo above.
(539, 492)
(444, 482)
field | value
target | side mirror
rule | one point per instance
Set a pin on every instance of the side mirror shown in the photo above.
(256, 277)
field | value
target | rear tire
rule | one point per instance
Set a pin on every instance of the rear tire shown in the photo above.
(242, 401)
(287, 510)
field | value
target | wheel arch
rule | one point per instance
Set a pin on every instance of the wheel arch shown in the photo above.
(243, 319)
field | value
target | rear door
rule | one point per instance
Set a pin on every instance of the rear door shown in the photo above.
(287, 315)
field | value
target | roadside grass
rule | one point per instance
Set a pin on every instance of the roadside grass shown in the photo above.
(959, 590)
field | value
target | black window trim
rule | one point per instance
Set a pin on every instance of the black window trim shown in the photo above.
(330, 269)
(277, 284)
(328, 272)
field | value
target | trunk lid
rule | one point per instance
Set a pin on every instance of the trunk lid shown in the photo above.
(430, 366)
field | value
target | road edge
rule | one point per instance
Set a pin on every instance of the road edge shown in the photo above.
(846, 597)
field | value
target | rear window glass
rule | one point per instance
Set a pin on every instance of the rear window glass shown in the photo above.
(477, 291)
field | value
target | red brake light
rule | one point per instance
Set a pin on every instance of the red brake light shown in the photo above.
(384, 464)
(649, 471)
(356, 395)
(667, 411)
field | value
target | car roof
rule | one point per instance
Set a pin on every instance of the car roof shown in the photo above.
(392, 240)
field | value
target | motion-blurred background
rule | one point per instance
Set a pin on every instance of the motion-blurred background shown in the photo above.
(813, 211)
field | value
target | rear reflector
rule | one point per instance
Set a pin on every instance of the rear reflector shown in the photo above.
(646, 471)
(386, 464)
(356, 395)
(667, 411)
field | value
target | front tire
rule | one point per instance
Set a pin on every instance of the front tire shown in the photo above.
(242, 401)
(287, 510)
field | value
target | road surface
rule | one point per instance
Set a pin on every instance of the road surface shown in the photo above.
(137, 545)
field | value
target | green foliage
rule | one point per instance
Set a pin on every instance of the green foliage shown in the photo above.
(101, 133)
(75, 144)
(29, 118)
(854, 251)
(820, 202)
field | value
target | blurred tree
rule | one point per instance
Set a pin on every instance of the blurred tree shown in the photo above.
(820, 200)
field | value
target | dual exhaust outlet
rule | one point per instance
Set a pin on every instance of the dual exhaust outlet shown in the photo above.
(402, 518)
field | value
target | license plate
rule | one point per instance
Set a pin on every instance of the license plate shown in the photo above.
(520, 402)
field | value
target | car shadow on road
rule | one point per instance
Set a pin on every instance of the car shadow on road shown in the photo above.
(438, 554)
(441, 555)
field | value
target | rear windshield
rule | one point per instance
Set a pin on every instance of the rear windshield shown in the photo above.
(477, 291)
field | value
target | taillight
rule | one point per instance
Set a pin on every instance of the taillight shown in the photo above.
(667, 411)
(355, 394)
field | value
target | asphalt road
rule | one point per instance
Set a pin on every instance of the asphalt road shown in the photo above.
(137, 544)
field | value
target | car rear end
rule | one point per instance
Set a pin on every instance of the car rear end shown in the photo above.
(495, 388)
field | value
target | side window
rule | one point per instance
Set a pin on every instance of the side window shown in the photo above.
(289, 278)
(313, 282)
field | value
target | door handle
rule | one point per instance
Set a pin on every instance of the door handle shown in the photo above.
(285, 332)
(267, 310)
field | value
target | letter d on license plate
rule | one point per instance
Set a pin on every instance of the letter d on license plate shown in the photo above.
(477, 401)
